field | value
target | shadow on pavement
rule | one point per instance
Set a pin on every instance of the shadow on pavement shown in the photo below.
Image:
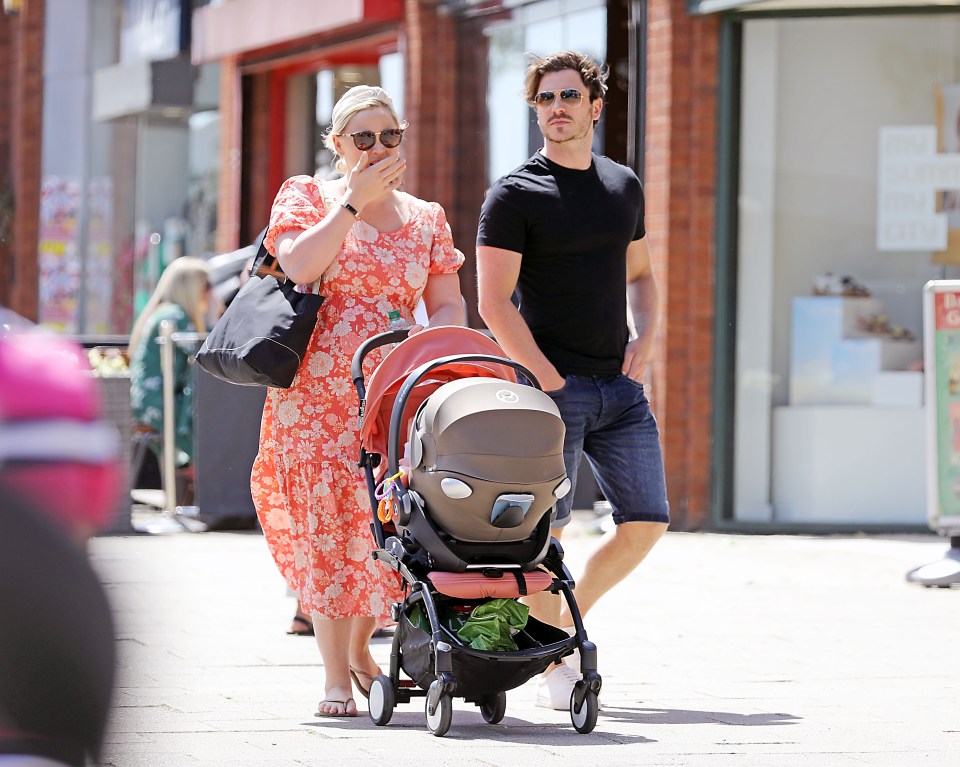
(685, 716)
(469, 725)
(514, 730)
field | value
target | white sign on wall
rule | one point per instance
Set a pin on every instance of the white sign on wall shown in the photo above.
(152, 30)
(910, 175)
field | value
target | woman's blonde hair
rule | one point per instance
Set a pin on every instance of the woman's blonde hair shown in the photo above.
(184, 283)
(356, 99)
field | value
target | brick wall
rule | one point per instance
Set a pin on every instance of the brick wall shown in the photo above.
(471, 155)
(6, 85)
(680, 183)
(263, 119)
(429, 104)
(21, 112)
(446, 107)
(228, 192)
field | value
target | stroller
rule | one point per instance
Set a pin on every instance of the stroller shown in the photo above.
(465, 522)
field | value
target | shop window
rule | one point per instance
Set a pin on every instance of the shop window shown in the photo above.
(539, 28)
(331, 84)
(203, 182)
(828, 403)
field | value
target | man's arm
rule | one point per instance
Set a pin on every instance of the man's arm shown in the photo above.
(644, 306)
(497, 272)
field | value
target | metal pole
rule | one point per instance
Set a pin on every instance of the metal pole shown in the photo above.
(637, 89)
(169, 416)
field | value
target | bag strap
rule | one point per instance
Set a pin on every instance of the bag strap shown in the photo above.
(264, 264)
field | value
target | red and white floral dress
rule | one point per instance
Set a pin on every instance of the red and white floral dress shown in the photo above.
(310, 496)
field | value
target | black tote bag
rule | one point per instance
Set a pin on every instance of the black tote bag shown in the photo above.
(262, 336)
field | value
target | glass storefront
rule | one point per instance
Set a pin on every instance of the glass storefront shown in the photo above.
(131, 153)
(829, 425)
(312, 96)
(539, 28)
(328, 85)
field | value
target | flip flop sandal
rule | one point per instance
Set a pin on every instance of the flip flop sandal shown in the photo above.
(334, 701)
(356, 674)
(306, 631)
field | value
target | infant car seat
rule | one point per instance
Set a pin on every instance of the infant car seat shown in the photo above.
(486, 456)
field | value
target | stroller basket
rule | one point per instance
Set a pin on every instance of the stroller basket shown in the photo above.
(480, 672)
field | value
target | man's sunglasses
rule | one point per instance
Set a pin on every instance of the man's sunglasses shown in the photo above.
(367, 139)
(570, 97)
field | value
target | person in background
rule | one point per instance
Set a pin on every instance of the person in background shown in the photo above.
(566, 228)
(302, 624)
(368, 248)
(60, 479)
(183, 296)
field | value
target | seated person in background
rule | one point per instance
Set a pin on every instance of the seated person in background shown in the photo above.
(182, 296)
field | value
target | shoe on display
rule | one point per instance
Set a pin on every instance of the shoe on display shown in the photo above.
(829, 284)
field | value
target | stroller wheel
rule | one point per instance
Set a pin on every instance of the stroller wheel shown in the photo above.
(493, 707)
(585, 719)
(438, 722)
(382, 699)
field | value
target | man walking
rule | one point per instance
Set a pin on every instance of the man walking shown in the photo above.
(566, 230)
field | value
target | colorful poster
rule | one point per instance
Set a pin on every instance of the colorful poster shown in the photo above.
(76, 297)
(59, 258)
(945, 353)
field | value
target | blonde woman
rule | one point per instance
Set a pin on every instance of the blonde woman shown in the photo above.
(182, 296)
(368, 248)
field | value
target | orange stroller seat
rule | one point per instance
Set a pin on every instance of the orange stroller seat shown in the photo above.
(510, 584)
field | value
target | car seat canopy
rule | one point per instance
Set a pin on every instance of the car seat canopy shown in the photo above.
(429, 344)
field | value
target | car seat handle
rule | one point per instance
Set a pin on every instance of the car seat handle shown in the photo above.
(400, 404)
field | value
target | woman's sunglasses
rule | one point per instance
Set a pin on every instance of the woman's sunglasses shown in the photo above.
(367, 139)
(570, 97)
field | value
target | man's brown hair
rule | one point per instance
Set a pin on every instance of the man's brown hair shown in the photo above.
(593, 76)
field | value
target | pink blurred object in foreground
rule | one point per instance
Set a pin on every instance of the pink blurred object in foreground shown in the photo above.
(54, 448)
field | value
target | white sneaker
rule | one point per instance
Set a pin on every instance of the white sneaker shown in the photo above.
(573, 661)
(554, 689)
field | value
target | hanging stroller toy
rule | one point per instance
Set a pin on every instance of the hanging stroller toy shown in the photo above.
(462, 511)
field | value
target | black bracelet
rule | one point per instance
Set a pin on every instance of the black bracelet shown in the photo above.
(350, 208)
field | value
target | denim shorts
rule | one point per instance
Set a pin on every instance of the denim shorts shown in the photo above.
(608, 420)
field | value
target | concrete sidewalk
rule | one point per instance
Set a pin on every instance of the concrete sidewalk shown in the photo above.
(719, 650)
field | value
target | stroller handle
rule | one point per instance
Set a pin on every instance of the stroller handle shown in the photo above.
(400, 404)
(374, 342)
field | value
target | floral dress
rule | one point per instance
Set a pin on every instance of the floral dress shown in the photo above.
(310, 496)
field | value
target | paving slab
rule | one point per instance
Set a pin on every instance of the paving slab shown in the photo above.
(719, 650)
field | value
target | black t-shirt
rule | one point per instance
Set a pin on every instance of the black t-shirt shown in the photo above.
(572, 228)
